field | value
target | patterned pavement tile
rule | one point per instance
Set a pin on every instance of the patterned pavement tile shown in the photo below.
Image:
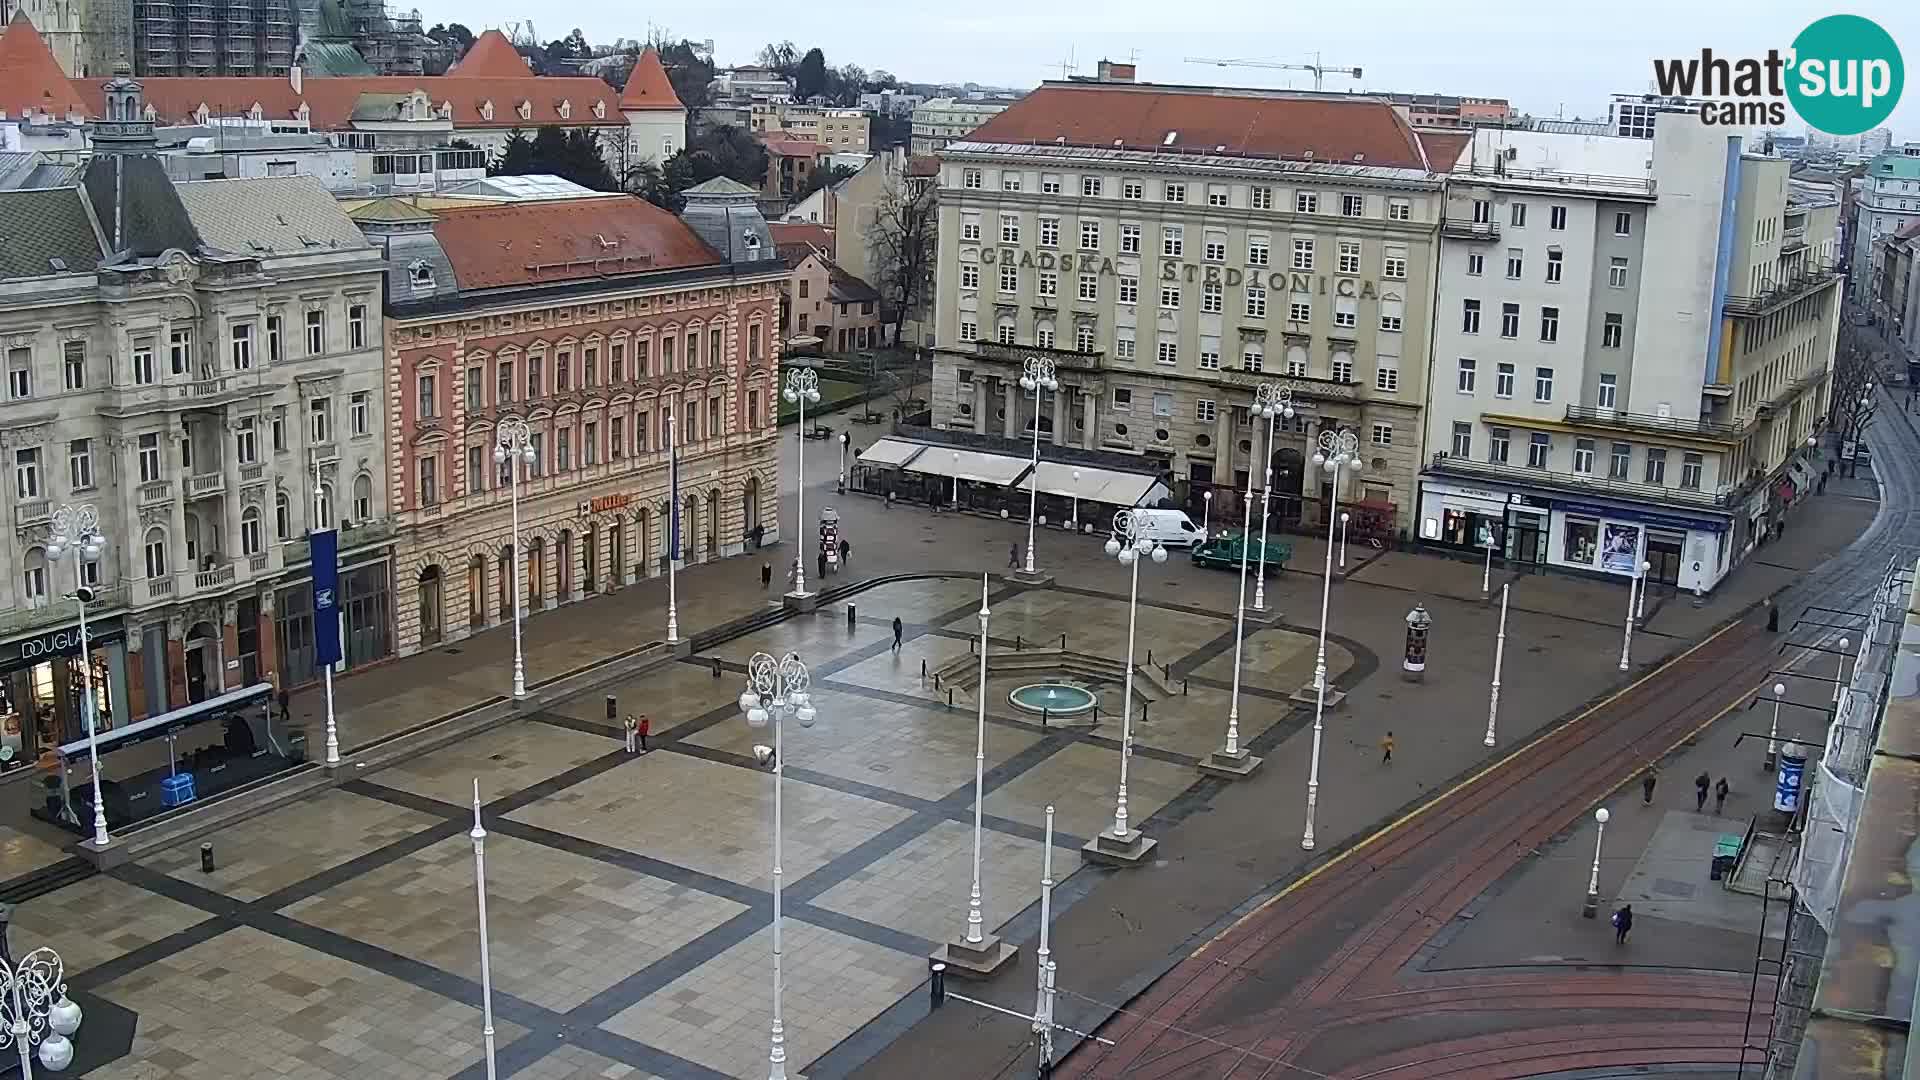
(1099, 627)
(923, 887)
(246, 1005)
(1080, 782)
(1277, 660)
(562, 927)
(30, 845)
(720, 1014)
(506, 759)
(264, 854)
(900, 672)
(669, 694)
(714, 818)
(68, 920)
(573, 1063)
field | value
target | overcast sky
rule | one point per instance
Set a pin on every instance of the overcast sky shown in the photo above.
(1542, 56)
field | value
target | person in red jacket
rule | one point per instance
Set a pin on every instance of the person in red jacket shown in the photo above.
(646, 728)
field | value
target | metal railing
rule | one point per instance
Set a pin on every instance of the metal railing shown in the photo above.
(1677, 425)
(1807, 280)
(1500, 170)
(1017, 354)
(1586, 483)
(1457, 229)
(106, 599)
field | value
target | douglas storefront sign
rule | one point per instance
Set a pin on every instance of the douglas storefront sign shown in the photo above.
(64, 641)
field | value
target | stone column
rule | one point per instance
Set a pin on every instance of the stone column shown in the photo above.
(1060, 414)
(980, 406)
(1091, 409)
(1224, 447)
(270, 641)
(229, 647)
(135, 707)
(230, 546)
(1012, 425)
(177, 523)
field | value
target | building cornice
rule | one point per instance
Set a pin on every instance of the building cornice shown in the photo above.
(1204, 164)
(514, 301)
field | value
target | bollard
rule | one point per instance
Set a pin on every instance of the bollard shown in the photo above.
(949, 697)
(1063, 643)
(923, 669)
(1018, 644)
(1149, 657)
(716, 667)
(1183, 687)
(937, 985)
(1044, 712)
(936, 682)
(1145, 707)
(613, 709)
(973, 647)
(850, 615)
(206, 858)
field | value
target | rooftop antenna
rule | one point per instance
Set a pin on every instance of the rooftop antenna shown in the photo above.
(1067, 66)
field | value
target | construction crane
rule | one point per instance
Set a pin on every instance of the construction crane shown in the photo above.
(1320, 71)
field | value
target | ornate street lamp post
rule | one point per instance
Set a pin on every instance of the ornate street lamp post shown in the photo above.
(776, 689)
(34, 1007)
(75, 531)
(1123, 845)
(1035, 376)
(1338, 450)
(513, 447)
(803, 385)
(1275, 403)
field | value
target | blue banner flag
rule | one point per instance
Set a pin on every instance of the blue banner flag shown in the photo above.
(673, 488)
(325, 546)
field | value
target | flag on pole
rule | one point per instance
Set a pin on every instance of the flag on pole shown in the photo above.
(673, 489)
(325, 547)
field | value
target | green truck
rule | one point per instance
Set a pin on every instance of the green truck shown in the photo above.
(1223, 553)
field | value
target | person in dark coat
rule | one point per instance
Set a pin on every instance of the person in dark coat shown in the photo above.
(1646, 786)
(1720, 795)
(1622, 924)
(1700, 785)
(899, 628)
(766, 575)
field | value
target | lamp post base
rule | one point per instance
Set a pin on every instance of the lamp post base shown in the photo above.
(1591, 908)
(1310, 695)
(1107, 849)
(1235, 766)
(1264, 619)
(1766, 763)
(975, 961)
(802, 602)
(1038, 579)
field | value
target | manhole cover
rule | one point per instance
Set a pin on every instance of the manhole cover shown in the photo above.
(451, 651)
(879, 768)
(1679, 890)
(496, 757)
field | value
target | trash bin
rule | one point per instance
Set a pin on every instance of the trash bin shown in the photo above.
(1726, 852)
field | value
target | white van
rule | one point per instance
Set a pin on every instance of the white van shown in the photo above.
(1171, 528)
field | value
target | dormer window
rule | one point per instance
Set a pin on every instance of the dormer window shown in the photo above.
(152, 113)
(302, 112)
(420, 275)
(256, 113)
(201, 114)
(486, 110)
(599, 110)
(524, 109)
(566, 110)
(446, 110)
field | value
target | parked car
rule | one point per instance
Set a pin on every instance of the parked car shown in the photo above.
(1170, 528)
(1224, 553)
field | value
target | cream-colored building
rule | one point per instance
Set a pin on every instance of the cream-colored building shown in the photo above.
(840, 130)
(939, 121)
(1631, 348)
(1171, 249)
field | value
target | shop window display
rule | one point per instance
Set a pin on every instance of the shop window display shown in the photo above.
(1582, 541)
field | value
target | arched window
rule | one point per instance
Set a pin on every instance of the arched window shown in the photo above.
(282, 515)
(156, 552)
(323, 508)
(251, 542)
(34, 577)
(363, 498)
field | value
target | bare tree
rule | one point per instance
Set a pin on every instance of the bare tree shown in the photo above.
(903, 247)
(904, 381)
(1851, 402)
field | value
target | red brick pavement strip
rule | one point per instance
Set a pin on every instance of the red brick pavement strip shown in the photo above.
(1532, 1053)
(1650, 714)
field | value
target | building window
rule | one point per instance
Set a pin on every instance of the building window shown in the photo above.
(1261, 198)
(1349, 257)
(1509, 320)
(1252, 358)
(1503, 380)
(969, 276)
(242, 345)
(143, 374)
(1469, 316)
(1169, 353)
(1539, 446)
(1043, 336)
(80, 465)
(1083, 338)
(1610, 331)
(156, 552)
(1543, 384)
(1174, 193)
(1399, 210)
(251, 540)
(1554, 266)
(1656, 465)
(1122, 399)
(1352, 205)
(1394, 267)
(1204, 411)
(1299, 312)
(1306, 202)
(1049, 184)
(1619, 461)
(1009, 181)
(363, 490)
(1257, 249)
(19, 373)
(1216, 195)
(1516, 264)
(1623, 223)
(1583, 456)
(1498, 440)
(1172, 241)
(1090, 236)
(1129, 290)
(1216, 247)
(1557, 218)
(1049, 232)
(1519, 215)
(1482, 212)
(1209, 355)
(1123, 343)
(149, 455)
(1129, 239)
(969, 330)
(26, 473)
(1210, 297)
(316, 332)
(1690, 470)
(180, 350)
(1342, 367)
(970, 178)
(357, 409)
(1256, 302)
(320, 421)
(1009, 228)
(1345, 314)
(1009, 279)
(471, 390)
(1617, 273)
(73, 364)
(1383, 434)
(1133, 189)
(1303, 254)
(1462, 439)
(563, 447)
(1005, 332)
(1090, 186)
(1609, 388)
(273, 339)
(970, 229)
(1549, 324)
(1296, 363)
(1476, 264)
(1386, 374)
(1463, 382)
(1049, 286)
(1089, 287)
(246, 442)
(427, 396)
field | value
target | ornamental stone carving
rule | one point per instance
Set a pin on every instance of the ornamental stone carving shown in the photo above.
(154, 515)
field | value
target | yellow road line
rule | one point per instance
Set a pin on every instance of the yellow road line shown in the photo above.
(1409, 816)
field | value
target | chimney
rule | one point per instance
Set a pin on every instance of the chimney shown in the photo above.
(1108, 71)
(293, 76)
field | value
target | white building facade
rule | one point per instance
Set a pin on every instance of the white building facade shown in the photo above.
(1888, 201)
(1629, 351)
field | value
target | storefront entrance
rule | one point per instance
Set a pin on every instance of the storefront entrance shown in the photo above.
(1664, 550)
(1526, 537)
(41, 689)
(203, 662)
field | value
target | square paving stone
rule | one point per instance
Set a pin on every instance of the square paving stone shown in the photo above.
(507, 760)
(1081, 782)
(917, 750)
(922, 888)
(1099, 627)
(900, 672)
(71, 921)
(30, 846)
(714, 818)
(264, 854)
(563, 927)
(819, 640)
(573, 1063)
(834, 984)
(1278, 659)
(669, 693)
(240, 1024)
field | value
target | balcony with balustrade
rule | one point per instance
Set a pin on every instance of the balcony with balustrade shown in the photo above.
(1615, 420)
(1721, 499)
(1806, 280)
(107, 599)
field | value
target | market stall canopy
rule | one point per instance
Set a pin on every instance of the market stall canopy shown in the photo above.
(1109, 486)
(970, 465)
(892, 453)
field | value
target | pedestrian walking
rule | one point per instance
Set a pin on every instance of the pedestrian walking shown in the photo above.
(766, 575)
(846, 551)
(899, 628)
(1646, 786)
(1386, 749)
(1013, 556)
(822, 576)
(1720, 795)
(286, 707)
(1622, 924)
(633, 734)
(646, 728)
(1700, 785)
(1773, 619)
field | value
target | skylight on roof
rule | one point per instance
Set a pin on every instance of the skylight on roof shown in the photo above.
(1168, 141)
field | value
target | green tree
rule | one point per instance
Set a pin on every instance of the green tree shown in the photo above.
(783, 58)
(810, 79)
(820, 178)
(454, 34)
(569, 154)
(516, 157)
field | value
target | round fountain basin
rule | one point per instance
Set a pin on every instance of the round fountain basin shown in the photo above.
(1058, 699)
